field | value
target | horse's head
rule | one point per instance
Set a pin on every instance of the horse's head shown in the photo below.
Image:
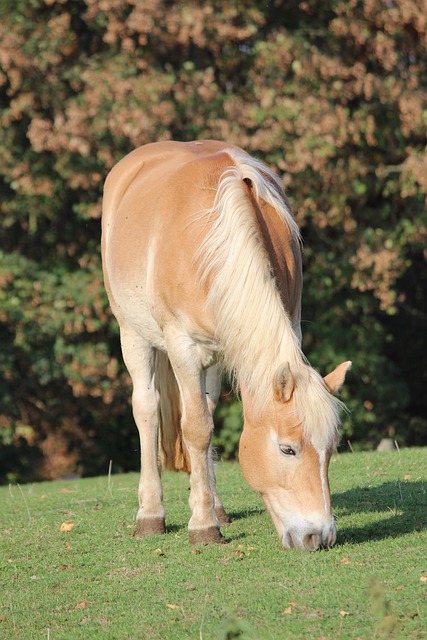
(285, 451)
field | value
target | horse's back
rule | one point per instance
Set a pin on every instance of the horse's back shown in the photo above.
(150, 168)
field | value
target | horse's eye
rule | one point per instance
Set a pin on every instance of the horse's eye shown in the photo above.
(287, 450)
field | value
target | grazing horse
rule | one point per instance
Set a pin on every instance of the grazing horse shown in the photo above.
(202, 266)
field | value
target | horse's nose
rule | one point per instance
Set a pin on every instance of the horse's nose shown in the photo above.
(313, 539)
(323, 539)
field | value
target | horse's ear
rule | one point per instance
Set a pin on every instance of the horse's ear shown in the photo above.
(335, 379)
(283, 383)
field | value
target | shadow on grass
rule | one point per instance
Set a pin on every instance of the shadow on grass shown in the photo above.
(245, 513)
(175, 528)
(401, 508)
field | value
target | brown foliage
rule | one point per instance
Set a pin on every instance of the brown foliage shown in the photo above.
(332, 95)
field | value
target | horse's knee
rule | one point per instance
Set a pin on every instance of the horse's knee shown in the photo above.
(144, 405)
(197, 435)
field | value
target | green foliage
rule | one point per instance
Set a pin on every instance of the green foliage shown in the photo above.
(97, 581)
(332, 95)
(228, 426)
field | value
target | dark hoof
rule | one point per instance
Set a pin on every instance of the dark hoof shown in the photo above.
(205, 536)
(223, 518)
(150, 527)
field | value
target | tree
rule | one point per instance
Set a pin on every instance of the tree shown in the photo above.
(331, 94)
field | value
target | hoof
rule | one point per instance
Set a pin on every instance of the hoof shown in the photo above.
(205, 536)
(223, 518)
(149, 526)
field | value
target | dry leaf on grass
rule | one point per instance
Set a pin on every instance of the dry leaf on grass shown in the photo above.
(343, 613)
(66, 526)
(64, 490)
(172, 606)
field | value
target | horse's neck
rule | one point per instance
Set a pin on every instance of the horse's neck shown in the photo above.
(284, 254)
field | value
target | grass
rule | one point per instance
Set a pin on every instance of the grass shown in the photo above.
(98, 581)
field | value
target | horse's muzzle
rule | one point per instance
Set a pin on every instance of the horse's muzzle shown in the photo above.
(312, 539)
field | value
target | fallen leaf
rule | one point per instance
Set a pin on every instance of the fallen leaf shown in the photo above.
(195, 552)
(81, 605)
(159, 552)
(287, 611)
(423, 579)
(407, 476)
(66, 526)
(67, 490)
(65, 566)
(172, 606)
(345, 561)
(238, 552)
(344, 613)
(68, 547)
(2, 618)
(43, 497)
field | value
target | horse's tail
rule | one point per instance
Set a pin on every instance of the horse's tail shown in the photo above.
(172, 450)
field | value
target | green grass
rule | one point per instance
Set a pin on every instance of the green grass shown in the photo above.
(98, 581)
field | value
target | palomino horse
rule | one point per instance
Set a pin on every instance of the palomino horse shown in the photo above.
(202, 266)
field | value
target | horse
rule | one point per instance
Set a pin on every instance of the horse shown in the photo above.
(202, 266)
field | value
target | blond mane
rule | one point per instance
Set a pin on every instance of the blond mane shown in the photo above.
(253, 327)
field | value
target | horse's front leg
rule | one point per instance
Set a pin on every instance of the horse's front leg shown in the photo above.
(197, 429)
(204, 524)
(139, 357)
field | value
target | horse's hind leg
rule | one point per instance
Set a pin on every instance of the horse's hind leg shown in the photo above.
(213, 388)
(139, 357)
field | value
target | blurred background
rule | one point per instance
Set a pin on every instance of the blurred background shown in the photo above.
(331, 94)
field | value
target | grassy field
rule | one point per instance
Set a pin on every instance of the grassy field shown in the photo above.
(71, 568)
